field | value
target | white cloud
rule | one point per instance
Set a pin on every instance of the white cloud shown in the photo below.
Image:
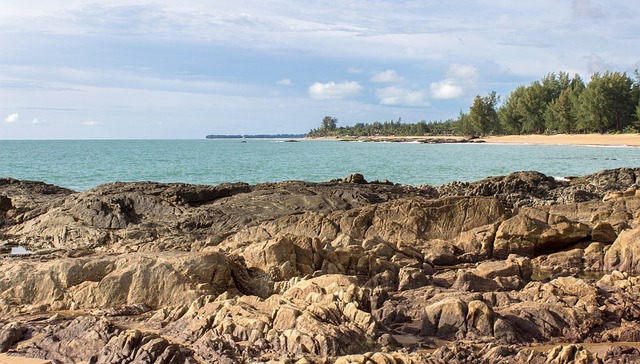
(396, 96)
(332, 90)
(388, 76)
(463, 71)
(595, 63)
(446, 89)
(12, 118)
(91, 123)
(285, 82)
(461, 79)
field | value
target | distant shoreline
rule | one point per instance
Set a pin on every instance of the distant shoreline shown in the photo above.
(631, 140)
(255, 136)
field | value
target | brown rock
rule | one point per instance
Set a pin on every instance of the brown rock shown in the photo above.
(411, 278)
(624, 254)
(532, 233)
(133, 346)
(108, 281)
(603, 232)
(445, 318)
(568, 354)
(10, 334)
(480, 320)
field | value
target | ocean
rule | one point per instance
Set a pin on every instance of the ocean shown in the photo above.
(83, 164)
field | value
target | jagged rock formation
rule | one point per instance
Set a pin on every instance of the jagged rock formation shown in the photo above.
(343, 271)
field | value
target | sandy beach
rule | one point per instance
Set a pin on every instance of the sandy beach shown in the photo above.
(569, 139)
(632, 140)
(6, 359)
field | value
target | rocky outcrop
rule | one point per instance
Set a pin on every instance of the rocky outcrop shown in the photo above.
(343, 271)
(154, 280)
(24, 200)
(535, 189)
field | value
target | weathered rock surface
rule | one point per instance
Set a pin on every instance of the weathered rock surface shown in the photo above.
(344, 271)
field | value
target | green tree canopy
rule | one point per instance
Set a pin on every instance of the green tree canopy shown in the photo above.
(483, 116)
(607, 103)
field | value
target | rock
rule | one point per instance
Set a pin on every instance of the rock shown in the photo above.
(603, 232)
(445, 319)
(513, 266)
(622, 354)
(593, 258)
(624, 254)
(424, 220)
(110, 281)
(316, 272)
(5, 203)
(355, 178)
(10, 334)
(511, 189)
(411, 278)
(535, 189)
(564, 262)
(532, 233)
(476, 244)
(71, 341)
(468, 281)
(571, 354)
(440, 252)
(133, 346)
(277, 258)
(480, 319)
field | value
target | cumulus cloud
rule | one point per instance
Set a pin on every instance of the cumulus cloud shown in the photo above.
(332, 90)
(388, 76)
(460, 79)
(285, 82)
(446, 89)
(397, 96)
(12, 118)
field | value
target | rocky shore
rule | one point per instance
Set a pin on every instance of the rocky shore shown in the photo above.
(514, 269)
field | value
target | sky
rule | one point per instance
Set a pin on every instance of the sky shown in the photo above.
(183, 69)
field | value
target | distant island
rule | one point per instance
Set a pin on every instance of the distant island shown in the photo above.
(256, 136)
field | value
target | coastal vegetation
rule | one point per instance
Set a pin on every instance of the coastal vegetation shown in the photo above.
(558, 103)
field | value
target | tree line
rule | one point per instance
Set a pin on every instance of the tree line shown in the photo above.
(609, 102)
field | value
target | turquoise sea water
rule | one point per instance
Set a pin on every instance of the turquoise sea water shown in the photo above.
(81, 165)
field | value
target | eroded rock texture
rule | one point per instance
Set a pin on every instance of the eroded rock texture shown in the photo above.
(518, 269)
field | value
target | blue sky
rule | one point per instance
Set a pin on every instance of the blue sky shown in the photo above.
(183, 69)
